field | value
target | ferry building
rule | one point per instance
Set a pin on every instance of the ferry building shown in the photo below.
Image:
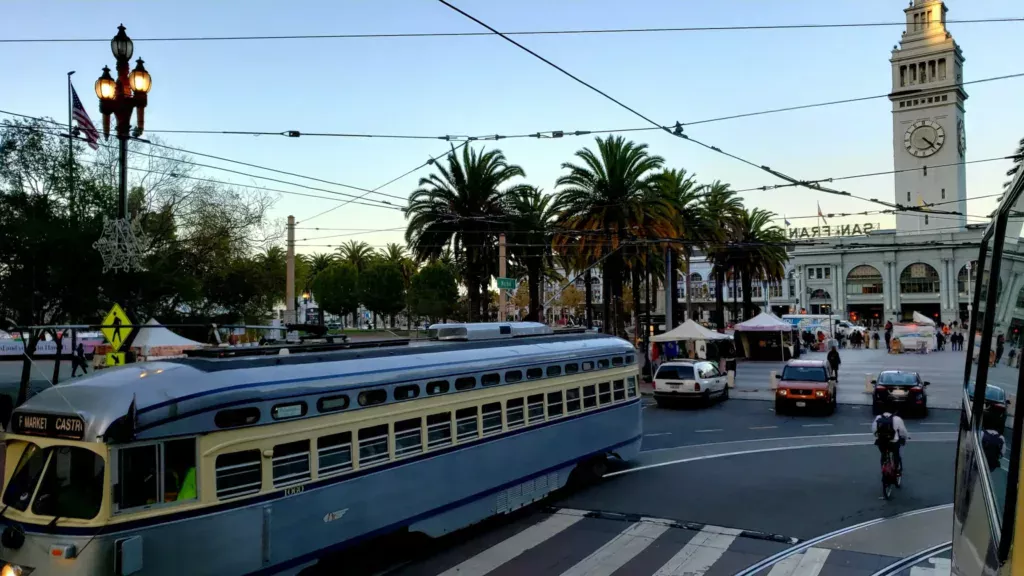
(860, 271)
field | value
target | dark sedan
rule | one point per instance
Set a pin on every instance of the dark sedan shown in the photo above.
(900, 391)
(993, 416)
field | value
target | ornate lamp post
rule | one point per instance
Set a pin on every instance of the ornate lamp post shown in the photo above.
(120, 98)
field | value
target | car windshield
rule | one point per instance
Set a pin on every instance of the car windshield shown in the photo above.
(805, 373)
(992, 393)
(898, 378)
(71, 484)
(675, 373)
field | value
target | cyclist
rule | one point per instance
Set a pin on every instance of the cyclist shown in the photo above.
(890, 433)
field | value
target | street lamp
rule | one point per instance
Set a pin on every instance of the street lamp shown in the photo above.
(120, 98)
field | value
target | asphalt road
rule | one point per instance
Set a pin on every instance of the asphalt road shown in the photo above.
(714, 491)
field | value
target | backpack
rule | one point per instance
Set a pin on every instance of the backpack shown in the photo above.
(886, 431)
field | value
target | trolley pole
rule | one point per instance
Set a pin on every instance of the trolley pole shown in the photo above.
(289, 289)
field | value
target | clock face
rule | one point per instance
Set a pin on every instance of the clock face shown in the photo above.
(924, 138)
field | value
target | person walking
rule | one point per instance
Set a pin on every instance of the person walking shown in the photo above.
(834, 361)
(78, 360)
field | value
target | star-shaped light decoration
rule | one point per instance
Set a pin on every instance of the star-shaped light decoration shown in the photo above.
(122, 245)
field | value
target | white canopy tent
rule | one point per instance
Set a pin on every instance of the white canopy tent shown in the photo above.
(156, 340)
(689, 330)
(762, 323)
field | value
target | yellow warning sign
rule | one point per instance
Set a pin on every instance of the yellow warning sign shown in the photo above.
(116, 327)
(115, 359)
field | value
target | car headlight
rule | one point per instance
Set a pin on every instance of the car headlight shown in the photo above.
(15, 570)
(783, 392)
(819, 393)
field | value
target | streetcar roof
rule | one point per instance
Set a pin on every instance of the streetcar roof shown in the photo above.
(172, 390)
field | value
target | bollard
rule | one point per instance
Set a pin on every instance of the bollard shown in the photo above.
(773, 384)
(868, 387)
(731, 379)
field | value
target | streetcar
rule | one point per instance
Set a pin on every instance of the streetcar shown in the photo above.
(265, 460)
(988, 461)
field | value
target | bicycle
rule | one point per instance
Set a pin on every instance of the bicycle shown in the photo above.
(891, 475)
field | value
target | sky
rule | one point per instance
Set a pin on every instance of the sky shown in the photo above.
(484, 85)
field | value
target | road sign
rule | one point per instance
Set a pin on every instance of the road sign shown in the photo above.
(116, 327)
(115, 359)
(507, 283)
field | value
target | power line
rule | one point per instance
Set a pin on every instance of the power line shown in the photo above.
(677, 130)
(555, 134)
(568, 32)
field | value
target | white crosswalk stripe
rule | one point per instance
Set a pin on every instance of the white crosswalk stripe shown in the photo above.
(509, 548)
(619, 550)
(938, 567)
(700, 553)
(812, 562)
(786, 566)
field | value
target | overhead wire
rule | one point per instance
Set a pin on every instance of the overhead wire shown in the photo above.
(562, 32)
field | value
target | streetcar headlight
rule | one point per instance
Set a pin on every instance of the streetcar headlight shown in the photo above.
(14, 570)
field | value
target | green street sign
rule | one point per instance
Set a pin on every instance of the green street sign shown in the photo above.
(507, 283)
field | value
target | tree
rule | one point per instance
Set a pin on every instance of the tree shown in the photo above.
(605, 201)
(382, 289)
(681, 192)
(337, 288)
(571, 299)
(721, 208)
(356, 253)
(530, 215)
(1018, 161)
(395, 254)
(457, 208)
(521, 300)
(433, 292)
(759, 251)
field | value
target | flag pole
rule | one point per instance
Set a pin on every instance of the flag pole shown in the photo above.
(71, 154)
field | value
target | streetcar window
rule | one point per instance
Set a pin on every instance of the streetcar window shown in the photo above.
(630, 359)
(588, 365)
(572, 400)
(407, 392)
(238, 474)
(554, 371)
(619, 390)
(332, 403)
(535, 408)
(514, 414)
(465, 424)
(408, 437)
(237, 417)
(572, 368)
(589, 396)
(286, 411)
(439, 430)
(72, 486)
(334, 453)
(26, 476)
(437, 387)
(373, 445)
(465, 383)
(513, 376)
(491, 416)
(617, 361)
(371, 397)
(180, 470)
(291, 463)
(631, 386)
(554, 404)
(490, 379)
(138, 476)
(602, 363)
(534, 373)
(604, 392)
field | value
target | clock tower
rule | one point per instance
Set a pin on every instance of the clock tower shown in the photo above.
(928, 137)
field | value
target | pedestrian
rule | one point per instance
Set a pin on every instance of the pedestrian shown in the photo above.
(1000, 343)
(888, 339)
(876, 338)
(1011, 356)
(78, 360)
(940, 341)
(834, 361)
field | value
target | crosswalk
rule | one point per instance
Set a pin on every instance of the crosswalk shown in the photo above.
(568, 542)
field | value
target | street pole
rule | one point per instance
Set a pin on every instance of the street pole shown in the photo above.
(71, 156)
(670, 296)
(501, 274)
(122, 180)
(289, 287)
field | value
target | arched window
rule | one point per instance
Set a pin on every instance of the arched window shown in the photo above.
(864, 279)
(820, 294)
(696, 277)
(919, 278)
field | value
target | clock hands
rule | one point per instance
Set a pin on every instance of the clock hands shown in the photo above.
(927, 141)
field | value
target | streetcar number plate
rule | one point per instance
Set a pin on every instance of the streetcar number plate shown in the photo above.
(801, 404)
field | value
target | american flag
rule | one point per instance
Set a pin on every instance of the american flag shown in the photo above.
(82, 117)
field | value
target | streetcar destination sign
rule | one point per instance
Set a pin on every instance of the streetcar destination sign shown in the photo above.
(71, 427)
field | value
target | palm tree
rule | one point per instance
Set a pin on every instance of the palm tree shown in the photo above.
(460, 207)
(681, 191)
(394, 253)
(530, 214)
(720, 207)
(761, 253)
(1018, 161)
(356, 253)
(608, 200)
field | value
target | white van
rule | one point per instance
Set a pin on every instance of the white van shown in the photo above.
(689, 380)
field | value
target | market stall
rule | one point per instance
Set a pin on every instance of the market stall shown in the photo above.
(917, 336)
(156, 341)
(767, 337)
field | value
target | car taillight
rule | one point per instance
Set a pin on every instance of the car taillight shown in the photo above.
(917, 389)
(696, 386)
(879, 388)
(998, 407)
